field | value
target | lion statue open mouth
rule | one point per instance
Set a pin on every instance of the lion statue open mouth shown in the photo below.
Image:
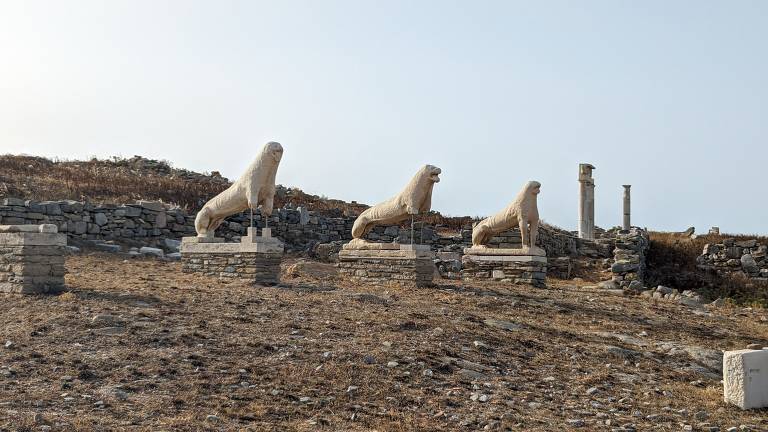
(415, 198)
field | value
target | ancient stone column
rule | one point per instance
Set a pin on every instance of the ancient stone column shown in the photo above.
(627, 224)
(586, 202)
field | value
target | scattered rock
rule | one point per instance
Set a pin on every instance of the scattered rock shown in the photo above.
(506, 325)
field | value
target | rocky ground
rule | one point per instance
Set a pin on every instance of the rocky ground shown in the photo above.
(137, 345)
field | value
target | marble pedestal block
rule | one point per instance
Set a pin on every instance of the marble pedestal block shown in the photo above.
(518, 266)
(745, 378)
(256, 259)
(31, 259)
(388, 264)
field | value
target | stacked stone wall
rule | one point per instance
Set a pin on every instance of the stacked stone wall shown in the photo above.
(747, 257)
(386, 268)
(29, 266)
(556, 242)
(631, 248)
(252, 267)
(150, 223)
(519, 270)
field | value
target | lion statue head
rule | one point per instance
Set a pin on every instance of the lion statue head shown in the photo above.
(274, 150)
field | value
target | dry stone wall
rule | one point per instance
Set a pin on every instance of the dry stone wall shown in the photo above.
(746, 256)
(151, 223)
(252, 267)
(629, 263)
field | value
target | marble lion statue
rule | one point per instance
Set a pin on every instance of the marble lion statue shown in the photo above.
(415, 198)
(523, 212)
(255, 187)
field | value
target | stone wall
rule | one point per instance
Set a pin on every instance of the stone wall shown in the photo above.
(747, 257)
(629, 263)
(150, 223)
(557, 242)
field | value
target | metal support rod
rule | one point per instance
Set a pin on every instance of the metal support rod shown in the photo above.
(412, 229)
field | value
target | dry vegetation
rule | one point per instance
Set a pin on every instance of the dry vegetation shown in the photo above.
(120, 181)
(170, 349)
(114, 181)
(672, 262)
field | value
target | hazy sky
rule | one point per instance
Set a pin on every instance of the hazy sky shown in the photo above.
(669, 96)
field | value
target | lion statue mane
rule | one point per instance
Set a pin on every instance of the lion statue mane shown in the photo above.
(523, 212)
(415, 198)
(255, 187)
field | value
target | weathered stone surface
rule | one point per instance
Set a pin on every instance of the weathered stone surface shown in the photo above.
(32, 262)
(507, 268)
(253, 267)
(403, 267)
(745, 378)
(523, 213)
(629, 254)
(100, 219)
(254, 188)
(747, 257)
(415, 198)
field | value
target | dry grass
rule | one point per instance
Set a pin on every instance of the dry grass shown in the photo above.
(194, 346)
(114, 181)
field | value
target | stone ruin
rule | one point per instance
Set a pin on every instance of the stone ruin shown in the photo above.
(628, 268)
(31, 259)
(747, 257)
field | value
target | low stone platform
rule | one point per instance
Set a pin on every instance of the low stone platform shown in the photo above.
(518, 266)
(31, 259)
(389, 264)
(255, 259)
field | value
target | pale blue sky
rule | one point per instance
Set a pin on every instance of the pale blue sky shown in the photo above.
(669, 96)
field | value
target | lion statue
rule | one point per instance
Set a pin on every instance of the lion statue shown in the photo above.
(255, 187)
(414, 199)
(523, 212)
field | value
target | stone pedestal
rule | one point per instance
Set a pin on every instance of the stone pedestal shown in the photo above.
(388, 264)
(518, 266)
(255, 259)
(745, 378)
(31, 259)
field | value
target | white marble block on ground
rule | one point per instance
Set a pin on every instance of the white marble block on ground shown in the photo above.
(745, 378)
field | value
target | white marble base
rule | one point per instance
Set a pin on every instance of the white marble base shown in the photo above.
(745, 378)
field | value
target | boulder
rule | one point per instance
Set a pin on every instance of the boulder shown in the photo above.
(151, 251)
